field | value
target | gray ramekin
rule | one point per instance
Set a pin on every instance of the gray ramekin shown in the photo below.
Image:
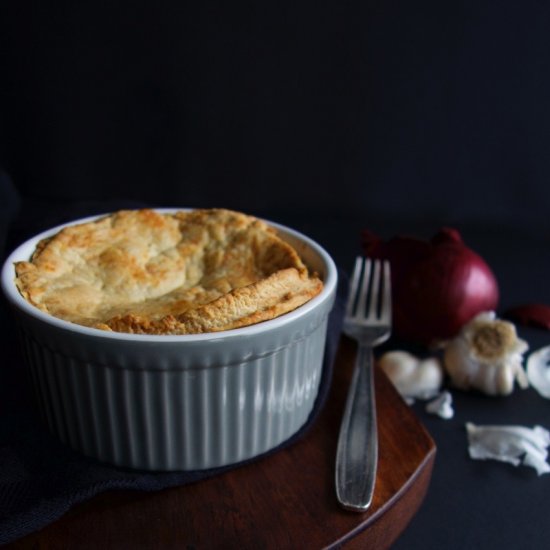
(176, 402)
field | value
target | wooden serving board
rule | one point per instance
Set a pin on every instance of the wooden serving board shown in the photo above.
(286, 500)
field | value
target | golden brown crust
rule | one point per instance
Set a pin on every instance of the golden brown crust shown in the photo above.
(187, 272)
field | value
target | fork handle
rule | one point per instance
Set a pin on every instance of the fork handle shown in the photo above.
(357, 453)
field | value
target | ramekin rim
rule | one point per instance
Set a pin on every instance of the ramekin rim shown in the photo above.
(17, 300)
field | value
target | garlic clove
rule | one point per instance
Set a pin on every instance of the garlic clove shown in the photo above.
(428, 379)
(399, 366)
(413, 378)
(538, 371)
(512, 444)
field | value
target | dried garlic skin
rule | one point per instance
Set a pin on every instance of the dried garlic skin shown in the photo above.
(512, 444)
(412, 377)
(487, 355)
(441, 406)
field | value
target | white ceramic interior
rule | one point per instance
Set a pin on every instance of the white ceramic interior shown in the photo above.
(176, 402)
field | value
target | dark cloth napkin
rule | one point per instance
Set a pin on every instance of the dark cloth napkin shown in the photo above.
(41, 479)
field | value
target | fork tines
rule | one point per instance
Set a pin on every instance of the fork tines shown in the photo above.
(370, 288)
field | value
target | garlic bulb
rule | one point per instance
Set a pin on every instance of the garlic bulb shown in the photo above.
(413, 378)
(486, 355)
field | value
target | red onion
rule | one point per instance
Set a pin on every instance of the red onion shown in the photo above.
(438, 285)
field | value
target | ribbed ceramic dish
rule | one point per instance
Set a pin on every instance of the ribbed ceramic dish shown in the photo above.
(176, 402)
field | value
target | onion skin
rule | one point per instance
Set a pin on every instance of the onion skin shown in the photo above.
(437, 286)
(531, 315)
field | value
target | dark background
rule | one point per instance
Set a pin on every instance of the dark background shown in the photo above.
(381, 109)
(330, 116)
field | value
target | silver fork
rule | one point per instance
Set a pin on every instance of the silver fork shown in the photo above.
(368, 321)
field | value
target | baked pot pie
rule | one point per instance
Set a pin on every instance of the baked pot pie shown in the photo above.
(184, 272)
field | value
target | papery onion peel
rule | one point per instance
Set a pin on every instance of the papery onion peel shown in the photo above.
(532, 315)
